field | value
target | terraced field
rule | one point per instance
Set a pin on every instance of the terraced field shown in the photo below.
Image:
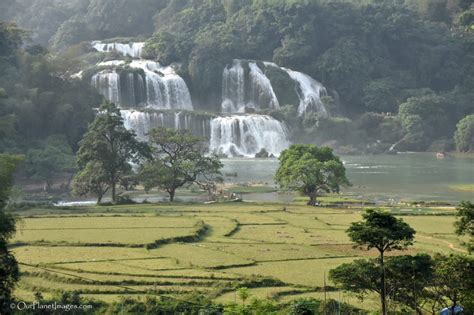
(170, 249)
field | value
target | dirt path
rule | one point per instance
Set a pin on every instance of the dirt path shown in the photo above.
(450, 245)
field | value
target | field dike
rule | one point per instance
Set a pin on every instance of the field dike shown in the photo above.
(200, 233)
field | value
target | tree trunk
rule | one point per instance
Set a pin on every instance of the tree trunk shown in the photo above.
(312, 200)
(382, 289)
(69, 180)
(113, 193)
(47, 185)
(99, 199)
(171, 192)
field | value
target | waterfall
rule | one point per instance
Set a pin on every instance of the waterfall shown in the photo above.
(142, 122)
(157, 87)
(233, 88)
(133, 50)
(259, 94)
(108, 84)
(309, 91)
(246, 135)
(261, 89)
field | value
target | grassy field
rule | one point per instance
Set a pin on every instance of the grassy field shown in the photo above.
(278, 252)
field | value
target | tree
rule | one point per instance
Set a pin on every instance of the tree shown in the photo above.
(381, 95)
(465, 223)
(91, 180)
(424, 119)
(452, 284)
(384, 232)
(109, 147)
(53, 159)
(310, 170)
(407, 278)
(243, 293)
(9, 273)
(464, 135)
(178, 159)
(308, 306)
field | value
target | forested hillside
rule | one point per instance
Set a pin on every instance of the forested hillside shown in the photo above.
(397, 72)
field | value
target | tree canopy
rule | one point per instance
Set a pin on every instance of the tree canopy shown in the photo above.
(9, 272)
(384, 232)
(178, 159)
(465, 223)
(310, 170)
(464, 135)
(108, 146)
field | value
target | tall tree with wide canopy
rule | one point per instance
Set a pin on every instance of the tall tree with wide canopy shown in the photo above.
(310, 170)
(407, 279)
(109, 146)
(384, 232)
(453, 283)
(465, 223)
(9, 273)
(179, 159)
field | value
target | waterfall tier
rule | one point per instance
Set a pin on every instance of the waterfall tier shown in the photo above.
(142, 122)
(246, 135)
(240, 91)
(309, 91)
(261, 89)
(233, 88)
(152, 95)
(247, 84)
(142, 83)
(133, 50)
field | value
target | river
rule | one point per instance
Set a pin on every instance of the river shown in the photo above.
(407, 176)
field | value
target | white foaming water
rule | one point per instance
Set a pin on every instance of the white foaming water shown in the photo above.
(165, 89)
(310, 91)
(111, 63)
(233, 88)
(261, 88)
(143, 122)
(260, 91)
(133, 50)
(107, 82)
(160, 88)
(246, 135)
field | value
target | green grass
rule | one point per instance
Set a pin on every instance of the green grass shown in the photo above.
(196, 255)
(103, 230)
(63, 254)
(297, 245)
(299, 272)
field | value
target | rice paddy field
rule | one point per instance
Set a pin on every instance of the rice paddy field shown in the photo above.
(281, 252)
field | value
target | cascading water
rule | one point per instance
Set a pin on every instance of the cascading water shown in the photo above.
(261, 89)
(107, 82)
(237, 94)
(143, 122)
(309, 91)
(133, 50)
(165, 89)
(233, 88)
(246, 135)
(155, 87)
(144, 83)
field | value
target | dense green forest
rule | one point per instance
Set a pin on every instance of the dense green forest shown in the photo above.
(398, 72)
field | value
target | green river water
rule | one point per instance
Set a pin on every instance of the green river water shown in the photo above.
(407, 176)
